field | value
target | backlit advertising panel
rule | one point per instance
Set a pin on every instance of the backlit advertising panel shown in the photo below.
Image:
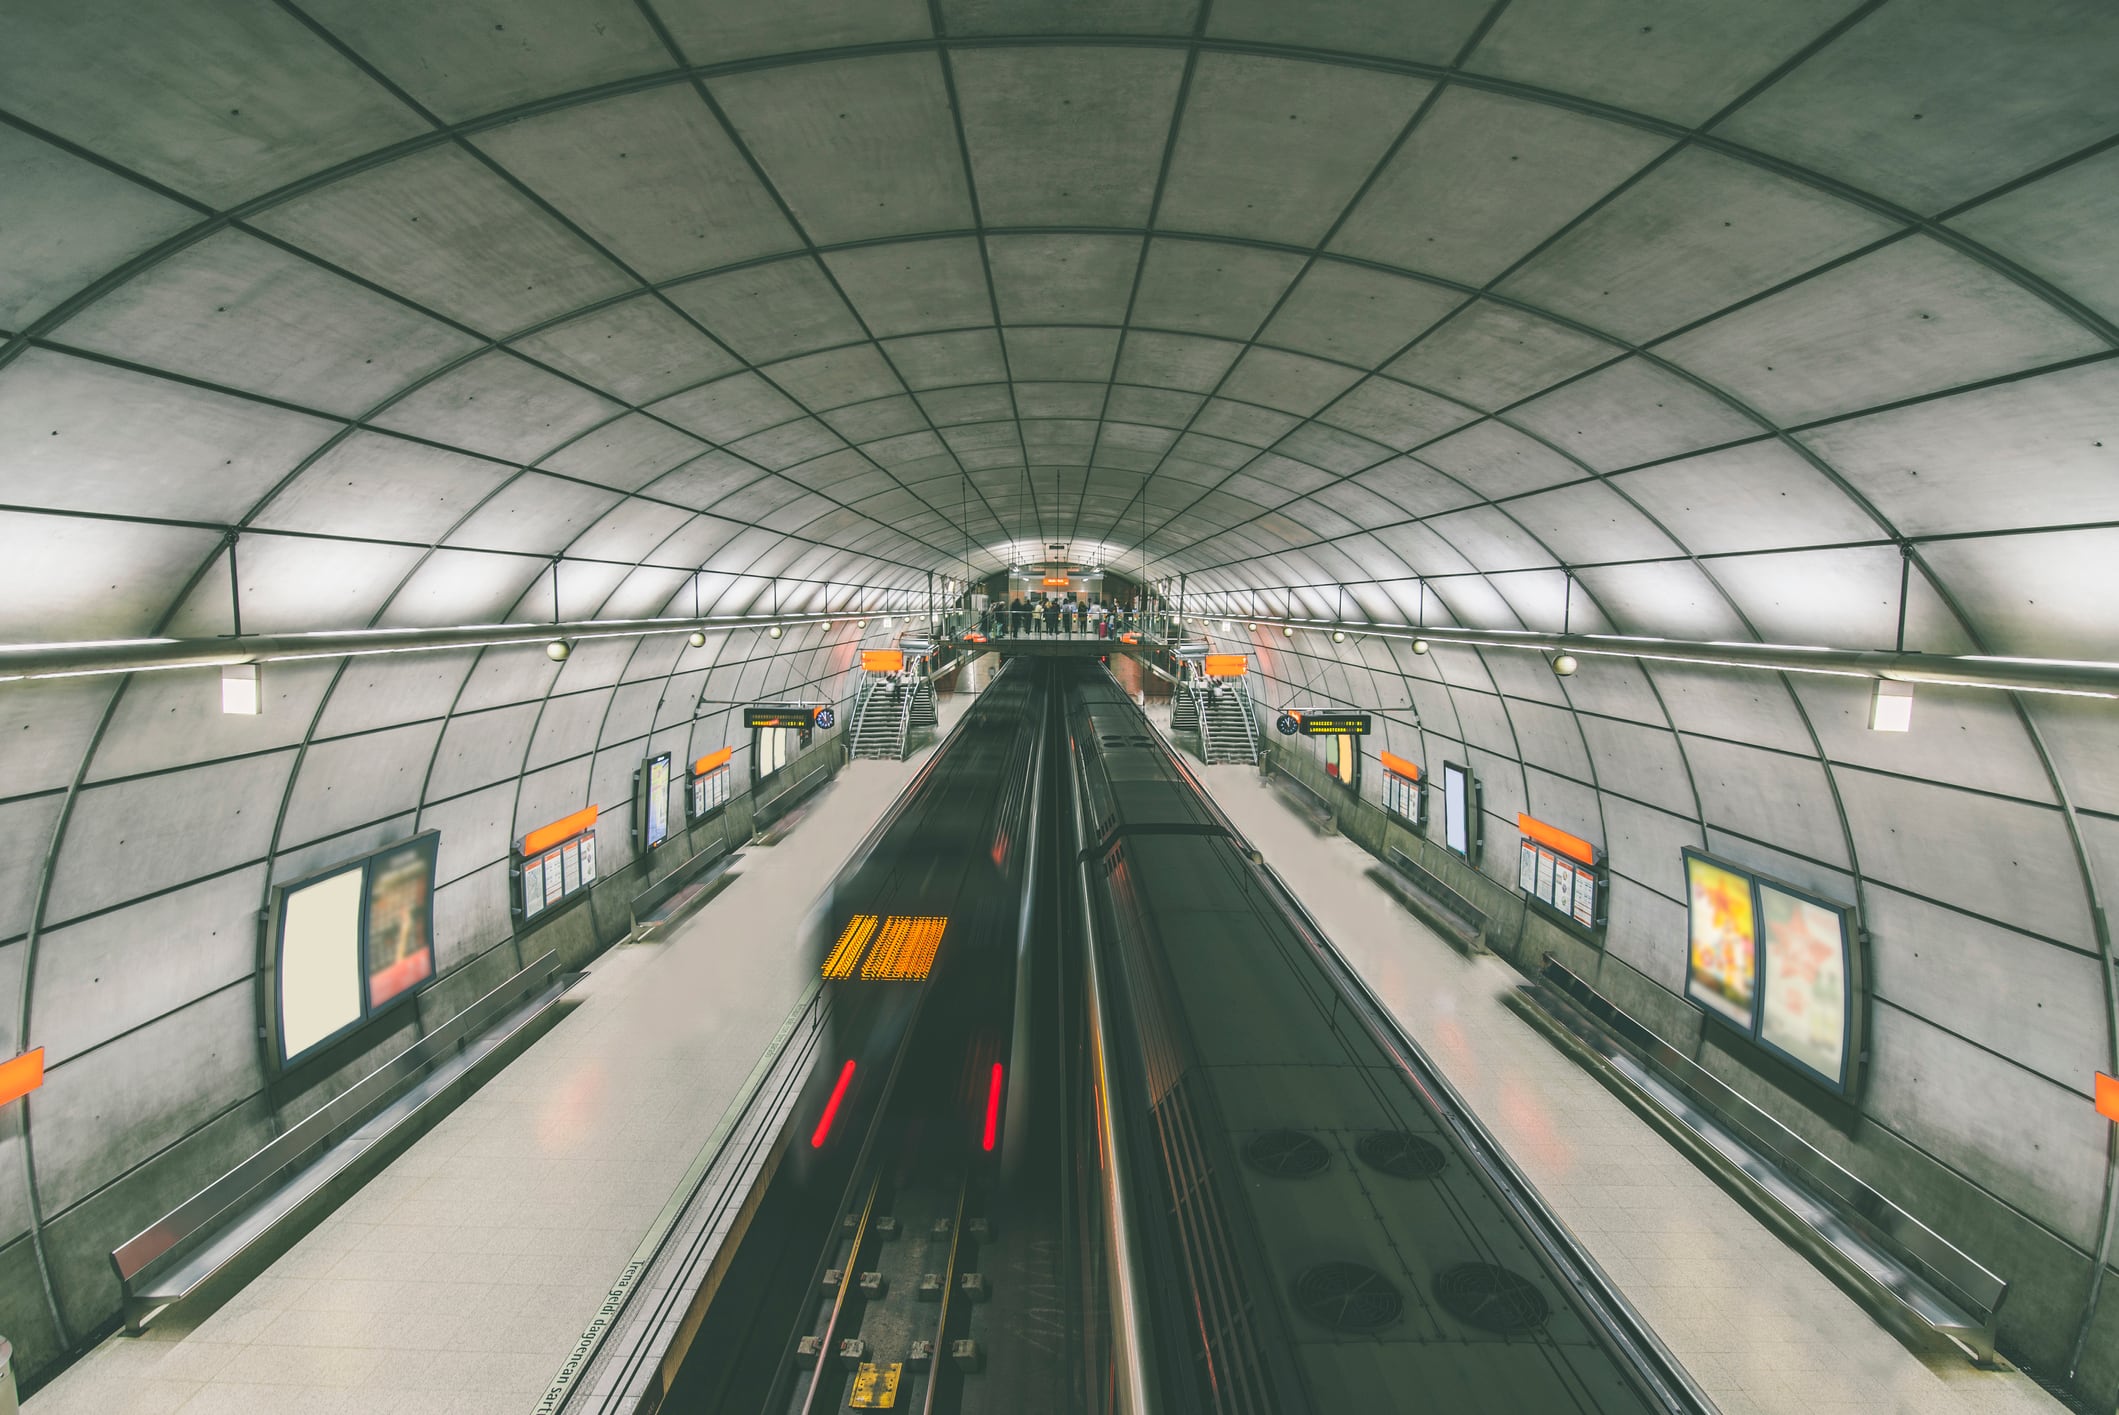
(1721, 971)
(1456, 808)
(1803, 992)
(655, 817)
(400, 930)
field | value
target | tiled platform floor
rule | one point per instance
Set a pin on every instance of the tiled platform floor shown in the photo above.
(456, 1282)
(1760, 1329)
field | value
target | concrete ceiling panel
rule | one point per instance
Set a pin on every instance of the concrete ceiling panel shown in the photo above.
(155, 832)
(1911, 318)
(1548, 738)
(942, 360)
(238, 311)
(1759, 496)
(702, 483)
(984, 403)
(583, 586)
(1343, 453)
(570, 723)
(441, 229)
(486, 55)
(858, 148)
(1062, 136)
(878, 420)
(355, 781)
(907, 287)
(105, 976)
(382, 689)
(1046, 352)
(651, 176)
(714, 31)
(1744, 707)
(157, 98)
(1415, 488)
(1292, 382)
(1430, 32)
(1587, 522)
(504, 676)
(1495, 460)
(630, 532)
(967, 17)
(1487, 537)
(728, 409)
(2061, 227)
(2073, 730)
(387, 488)
(770, 311)
(1210, 287)
(293, 583)
(80, 434)
(1157, 407)
(1062, 278)
(65, 577)
(560, 791)
(1358, 504)
(625, 454)
(462, 587)
(1671, 599)
(788, 445)
(68, 221)
(1971, 738)
(2037, 451)
(1837, 598)
(1651, 843)
(1695, 235)
(2037, 595)
(480, 748)
(1176, 361)
(167, 720)
(1639, 762)
(1490, 355)
(637, 350)
(1356, 315)
(1765, 795)
(907, 451)
(1244, 423)
(500, 405)
(474, 830)
(1059, 400)
(1422, 551)
(1631, 412)
(1931, 103)
(1273, 149)
(835, 377)
(48, 725)
(1483, 179)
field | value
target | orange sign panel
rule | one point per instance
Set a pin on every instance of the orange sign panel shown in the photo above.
(1555, 839)
(1226, 665)
(22, 1074)
(2107, 1096)
(883, 660)
(546, 836)
(712, 760)
(1393, 762)
(1058, 582)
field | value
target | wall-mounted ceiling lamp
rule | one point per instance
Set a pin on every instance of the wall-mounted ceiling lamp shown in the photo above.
(827, 626)
(557, 650)
(697, 639)
(1891, 706)
(1565, 664)
(1419, 646)
(240, 690)
(862, 625)
(1338, 636)
(774, 631)
(1288, 630)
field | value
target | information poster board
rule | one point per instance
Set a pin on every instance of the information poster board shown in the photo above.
(708, 788)
(555, 862)
(351, 942)
(1560, 879)
(653, 783)
(1776, 963)
(1404, 795)
(1459, 826)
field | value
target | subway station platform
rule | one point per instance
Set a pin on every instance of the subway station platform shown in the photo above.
(457, 1281)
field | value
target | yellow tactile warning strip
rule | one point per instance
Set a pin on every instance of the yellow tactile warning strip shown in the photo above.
(847, 951)
(905, 951)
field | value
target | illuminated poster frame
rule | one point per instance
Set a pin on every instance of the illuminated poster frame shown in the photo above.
(651, 803)
(1751, 1020)
(1462, 832)
(424, 849)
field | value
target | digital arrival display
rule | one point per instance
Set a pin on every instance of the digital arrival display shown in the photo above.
(1324, 724)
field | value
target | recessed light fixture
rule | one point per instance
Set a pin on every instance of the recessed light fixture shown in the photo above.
(240, 690)
(1891, 706)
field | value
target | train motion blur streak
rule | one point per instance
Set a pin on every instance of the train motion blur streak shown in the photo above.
(855, 1275)
(1318, 1224)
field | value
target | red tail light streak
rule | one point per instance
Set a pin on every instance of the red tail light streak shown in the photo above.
(993, 1106)
(831, 1107)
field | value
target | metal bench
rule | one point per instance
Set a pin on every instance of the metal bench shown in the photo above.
(1432, 900)
(1307, 800)
(1914, 1281)
(235, 1226)
(687, 887)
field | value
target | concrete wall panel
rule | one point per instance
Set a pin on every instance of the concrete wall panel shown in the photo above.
(354, 780)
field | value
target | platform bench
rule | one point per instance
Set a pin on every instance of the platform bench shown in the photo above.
(236, 1226)
(1912, 1280)
(1432, 900)
(1306, 800)
(688, 887)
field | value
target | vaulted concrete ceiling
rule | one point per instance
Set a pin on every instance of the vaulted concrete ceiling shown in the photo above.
(1718, 309)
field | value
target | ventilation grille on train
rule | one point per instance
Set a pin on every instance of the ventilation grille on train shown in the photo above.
(1491, 1298)
(1348, 1297)
(1287, 1154)
(1400, 1155)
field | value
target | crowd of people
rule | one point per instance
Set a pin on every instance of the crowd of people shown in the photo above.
(1059, 615)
